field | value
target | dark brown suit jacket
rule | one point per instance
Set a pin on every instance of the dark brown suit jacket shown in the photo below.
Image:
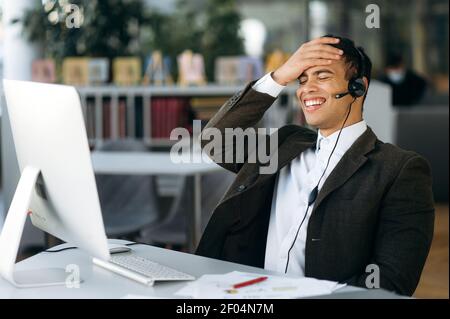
(376, 207)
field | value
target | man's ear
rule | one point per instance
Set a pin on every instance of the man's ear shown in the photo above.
(366, 82)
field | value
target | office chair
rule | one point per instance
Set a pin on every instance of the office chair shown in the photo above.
(129, 202)
(172, 230)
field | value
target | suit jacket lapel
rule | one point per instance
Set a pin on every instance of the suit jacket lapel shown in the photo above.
(291, 147)
(296, 143)
(352, 160)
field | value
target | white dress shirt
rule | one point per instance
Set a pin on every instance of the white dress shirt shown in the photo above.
(293, 186)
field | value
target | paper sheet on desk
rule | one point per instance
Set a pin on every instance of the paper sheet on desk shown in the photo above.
(275, 287)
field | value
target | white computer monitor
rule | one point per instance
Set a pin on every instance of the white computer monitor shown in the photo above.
(57, 187)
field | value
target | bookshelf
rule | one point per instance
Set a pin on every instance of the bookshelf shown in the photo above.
(131, 110)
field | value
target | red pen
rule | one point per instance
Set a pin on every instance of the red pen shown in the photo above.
(250, 282)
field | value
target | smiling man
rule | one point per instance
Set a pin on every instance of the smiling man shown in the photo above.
(342, 205)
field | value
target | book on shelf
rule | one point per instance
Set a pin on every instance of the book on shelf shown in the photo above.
(154, 111)
(127, 71)
(43, 70)
(227, 70)
(168, 113)
(211, 102)
(237, 70)
(98, 70)
(191, 69)
(157, 112)
(108, 117)
(75, 71)
(250, 69)
(157, 69)
(85, 71)
(206, 107)
(106, 120)
(122, 119)
(90, 121)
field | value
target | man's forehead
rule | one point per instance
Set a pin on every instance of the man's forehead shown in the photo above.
(336, 67)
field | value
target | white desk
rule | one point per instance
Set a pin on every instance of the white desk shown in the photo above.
(100, 283)
(160, 163)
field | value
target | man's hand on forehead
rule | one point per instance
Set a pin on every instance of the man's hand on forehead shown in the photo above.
(316, 52)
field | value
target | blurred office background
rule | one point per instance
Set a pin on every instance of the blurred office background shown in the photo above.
(128, 60)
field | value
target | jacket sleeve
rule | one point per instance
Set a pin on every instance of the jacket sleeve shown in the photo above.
(236, 119)
(405, 230)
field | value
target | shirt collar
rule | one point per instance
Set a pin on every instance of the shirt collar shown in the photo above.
(348, 136)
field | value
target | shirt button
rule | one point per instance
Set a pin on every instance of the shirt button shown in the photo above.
(241, 188)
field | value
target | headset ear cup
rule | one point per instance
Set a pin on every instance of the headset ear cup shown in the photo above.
(357, 87)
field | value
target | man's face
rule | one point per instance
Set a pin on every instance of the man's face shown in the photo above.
(316, 94)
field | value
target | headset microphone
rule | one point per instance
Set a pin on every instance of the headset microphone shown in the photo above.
(356, 86)
(341, 95)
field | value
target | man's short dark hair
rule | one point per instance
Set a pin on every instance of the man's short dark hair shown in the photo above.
(353, 58)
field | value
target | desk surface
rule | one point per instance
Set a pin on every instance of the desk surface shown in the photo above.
(100, 283)
(141, 163)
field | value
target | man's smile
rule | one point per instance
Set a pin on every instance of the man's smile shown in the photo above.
(312, 104)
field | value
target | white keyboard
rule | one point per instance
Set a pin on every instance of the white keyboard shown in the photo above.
(141, 269)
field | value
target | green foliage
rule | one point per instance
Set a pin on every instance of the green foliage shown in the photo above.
(221, 37)
(209, 27)
(109, 28)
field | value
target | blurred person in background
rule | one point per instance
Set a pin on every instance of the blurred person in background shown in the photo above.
(408, 87)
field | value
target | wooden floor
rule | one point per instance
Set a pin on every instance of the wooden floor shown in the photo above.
(434, 280)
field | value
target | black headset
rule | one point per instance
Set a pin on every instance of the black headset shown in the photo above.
(356, 88)
(356, 85)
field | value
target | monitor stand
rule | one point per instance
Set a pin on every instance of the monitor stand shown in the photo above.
(12, 233)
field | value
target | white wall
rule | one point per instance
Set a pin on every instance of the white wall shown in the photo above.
(379, 112)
